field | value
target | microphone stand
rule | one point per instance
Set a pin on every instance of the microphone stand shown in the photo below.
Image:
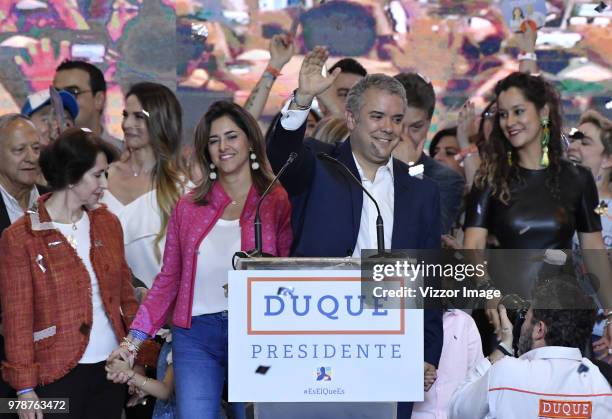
(380, 231)
(257, 252)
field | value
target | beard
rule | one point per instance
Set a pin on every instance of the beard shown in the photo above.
(525, 340)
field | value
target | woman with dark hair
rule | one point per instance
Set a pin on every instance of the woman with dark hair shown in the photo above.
(66, 294)
(146, 184)
(525, 193)
(208, 225)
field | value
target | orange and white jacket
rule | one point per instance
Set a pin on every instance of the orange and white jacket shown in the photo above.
(549, 382)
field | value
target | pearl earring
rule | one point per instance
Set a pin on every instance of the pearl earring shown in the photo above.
(254, 162)
(212, 175)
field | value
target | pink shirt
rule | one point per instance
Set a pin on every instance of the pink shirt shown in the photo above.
(462, 349)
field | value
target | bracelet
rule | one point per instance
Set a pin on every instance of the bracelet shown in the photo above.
(24, 391)
(527, 56)
(129, 346)
(133, 374)
(138, 334)
(466, 152)
(297, 105)
(273, 71)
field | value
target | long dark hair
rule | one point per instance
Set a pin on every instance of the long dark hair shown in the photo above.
(164, 123)
(261, 177)
(495, 169)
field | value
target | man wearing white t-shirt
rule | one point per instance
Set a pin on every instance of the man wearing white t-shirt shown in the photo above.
(550, 379)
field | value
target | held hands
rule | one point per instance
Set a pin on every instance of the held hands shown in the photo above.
(281, 50)
(311, 80)
(119, 354)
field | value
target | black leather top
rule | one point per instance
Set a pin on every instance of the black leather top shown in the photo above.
(534, 218)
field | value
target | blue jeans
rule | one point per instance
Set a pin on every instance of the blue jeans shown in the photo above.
(199, 356)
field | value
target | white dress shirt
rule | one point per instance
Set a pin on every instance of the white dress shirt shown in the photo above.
(13, 208)
(381, 188)
(547, 382)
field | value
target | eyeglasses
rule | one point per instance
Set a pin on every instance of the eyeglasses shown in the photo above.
(76, 91)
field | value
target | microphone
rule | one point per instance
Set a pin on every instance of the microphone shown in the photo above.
(258, 234)
(380, 231)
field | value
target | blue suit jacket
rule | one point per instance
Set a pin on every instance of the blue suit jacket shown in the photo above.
(326, 208)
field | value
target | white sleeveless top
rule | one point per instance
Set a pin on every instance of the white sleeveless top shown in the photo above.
(141, 221)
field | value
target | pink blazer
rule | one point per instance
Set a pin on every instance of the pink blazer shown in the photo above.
(189, 224)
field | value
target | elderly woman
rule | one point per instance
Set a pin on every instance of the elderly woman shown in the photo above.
(66, 294)
(208, 225)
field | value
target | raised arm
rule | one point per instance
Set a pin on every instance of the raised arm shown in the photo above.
(288, 134)
(281, 51)
(527, 57)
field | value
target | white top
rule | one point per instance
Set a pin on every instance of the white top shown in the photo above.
(13, 208)
(102, 339)
(548, 382)
(141, 221)
(382, 189)
(214, 261)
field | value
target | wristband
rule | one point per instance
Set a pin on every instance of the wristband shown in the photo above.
(527, 56)
(466, 152)
(273, 71)
(24, 391)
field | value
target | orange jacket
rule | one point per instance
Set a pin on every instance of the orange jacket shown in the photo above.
(46, 294)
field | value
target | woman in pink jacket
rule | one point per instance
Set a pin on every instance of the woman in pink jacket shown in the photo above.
(207, 227)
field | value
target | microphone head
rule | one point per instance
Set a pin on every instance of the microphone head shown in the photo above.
(292, 157)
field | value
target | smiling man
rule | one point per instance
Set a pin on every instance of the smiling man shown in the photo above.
(19, 152)
(331, 215)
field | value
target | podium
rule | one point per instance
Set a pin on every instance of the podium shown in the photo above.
(315, 410)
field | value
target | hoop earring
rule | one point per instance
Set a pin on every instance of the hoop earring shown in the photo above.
(254, 162)
(212, 175)
(544, 141)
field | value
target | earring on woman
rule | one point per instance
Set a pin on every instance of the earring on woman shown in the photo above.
(254, 162)
(544, 141)
(212, 175)
(509, 156)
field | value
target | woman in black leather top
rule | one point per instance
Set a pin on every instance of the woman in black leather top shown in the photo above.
(525, 193)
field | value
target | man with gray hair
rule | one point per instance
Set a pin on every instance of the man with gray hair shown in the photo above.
(331, 216)
(19, 152)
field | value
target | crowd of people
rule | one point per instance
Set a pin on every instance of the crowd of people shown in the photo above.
(111, 249)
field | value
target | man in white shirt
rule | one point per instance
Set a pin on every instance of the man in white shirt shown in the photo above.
(19, 152)
(550, 379)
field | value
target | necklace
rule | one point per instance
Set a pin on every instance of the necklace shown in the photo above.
(140, 172)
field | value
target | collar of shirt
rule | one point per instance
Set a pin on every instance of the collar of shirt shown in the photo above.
(10, 201)
(386, 168)
(553, 352)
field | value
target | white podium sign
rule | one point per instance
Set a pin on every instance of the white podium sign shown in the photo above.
(306, 336)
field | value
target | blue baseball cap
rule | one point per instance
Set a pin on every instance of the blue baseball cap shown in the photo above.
(43, 98)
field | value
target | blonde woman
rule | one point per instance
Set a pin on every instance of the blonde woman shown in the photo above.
(145, 185)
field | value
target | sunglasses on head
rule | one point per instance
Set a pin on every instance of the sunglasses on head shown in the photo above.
(575, 134)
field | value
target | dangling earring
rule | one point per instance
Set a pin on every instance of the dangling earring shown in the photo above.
(254, 163)
(509, 156)
(212, 175)
(544, 141)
